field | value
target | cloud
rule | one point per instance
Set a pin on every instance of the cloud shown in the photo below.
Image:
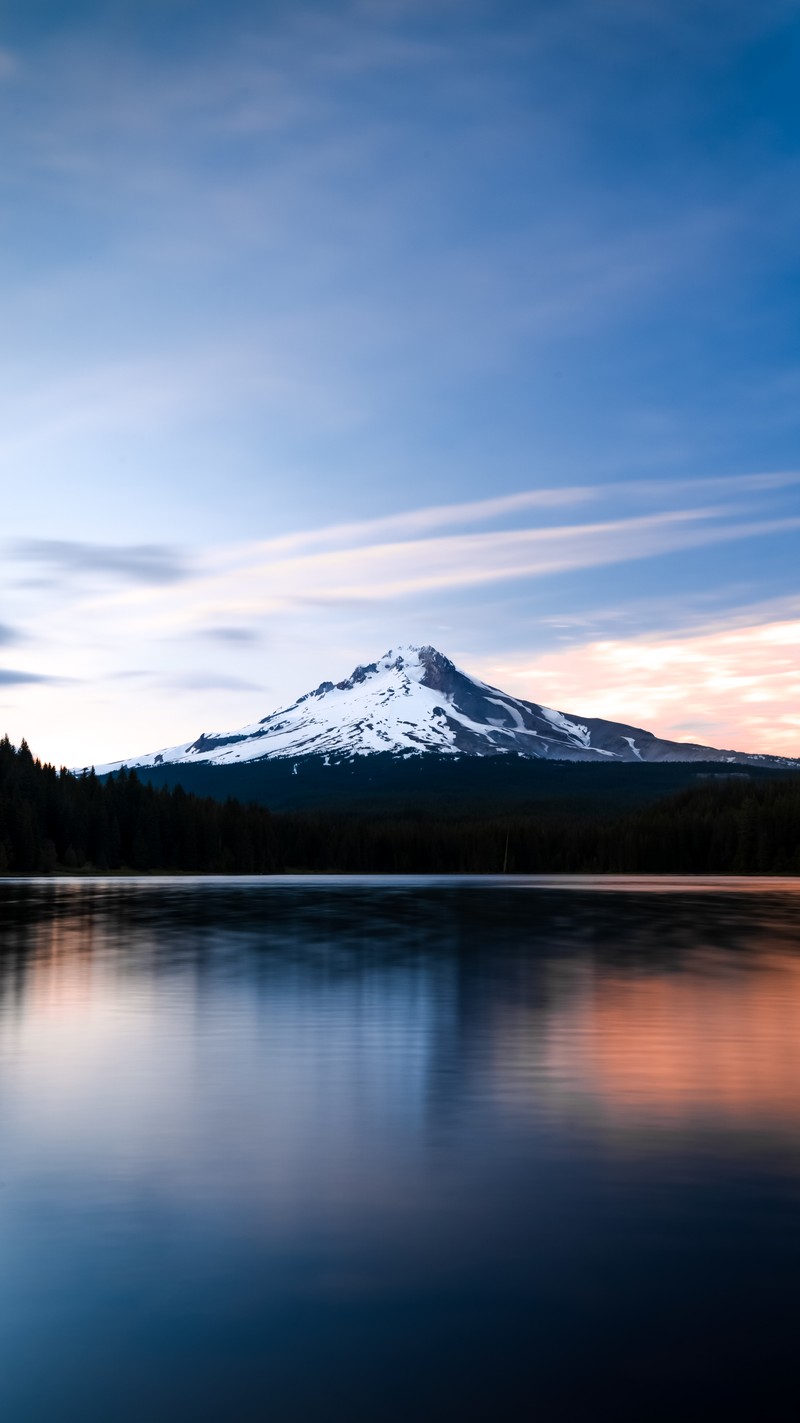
(137, 563)
(193, 680)
(209, 681)
(239, 636)
(485, 511)
(253, 580)
(743, 682)
(8, 635)
(11, 677)
(420, 521)
(695, 725)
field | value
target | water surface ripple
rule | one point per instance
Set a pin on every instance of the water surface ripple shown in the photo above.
(393, 1149)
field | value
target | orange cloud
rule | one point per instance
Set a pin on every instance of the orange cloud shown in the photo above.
(737, 688)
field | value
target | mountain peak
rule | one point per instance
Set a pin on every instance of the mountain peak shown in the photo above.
(422, 664)
(414, 700)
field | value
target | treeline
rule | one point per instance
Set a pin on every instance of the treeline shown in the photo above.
(721, 827)
(52, 820)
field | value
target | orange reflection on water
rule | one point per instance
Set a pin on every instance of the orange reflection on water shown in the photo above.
(716, 1041)
(59, 978)
(683, 1045)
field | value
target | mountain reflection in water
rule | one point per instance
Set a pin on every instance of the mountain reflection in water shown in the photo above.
(419, 1148)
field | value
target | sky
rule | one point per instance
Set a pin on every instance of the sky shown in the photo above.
(328, 327)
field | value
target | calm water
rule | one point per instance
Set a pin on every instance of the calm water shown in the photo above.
(398, 1150)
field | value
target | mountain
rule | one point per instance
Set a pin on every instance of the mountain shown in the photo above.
(414, 700)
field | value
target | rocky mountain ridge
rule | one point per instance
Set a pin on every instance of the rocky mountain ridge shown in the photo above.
(414, 700)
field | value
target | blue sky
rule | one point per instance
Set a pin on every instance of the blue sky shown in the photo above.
(303, 272)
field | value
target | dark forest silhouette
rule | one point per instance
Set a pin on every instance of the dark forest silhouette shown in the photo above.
(53, 820)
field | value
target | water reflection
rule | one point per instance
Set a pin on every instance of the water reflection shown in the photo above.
(722, 1043)
(266, 1144)
(715, 1041)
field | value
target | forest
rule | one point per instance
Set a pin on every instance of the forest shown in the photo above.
(52, 820)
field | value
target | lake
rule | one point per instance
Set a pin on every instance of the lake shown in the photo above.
(398, 1149)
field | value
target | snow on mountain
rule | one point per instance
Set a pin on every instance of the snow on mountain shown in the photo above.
(415, 700)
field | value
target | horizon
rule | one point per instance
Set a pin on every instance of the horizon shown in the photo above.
(333, 327)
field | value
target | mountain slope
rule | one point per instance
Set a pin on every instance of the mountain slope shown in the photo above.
(415, 700)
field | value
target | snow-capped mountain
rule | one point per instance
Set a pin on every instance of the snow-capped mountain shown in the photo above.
(415, 700)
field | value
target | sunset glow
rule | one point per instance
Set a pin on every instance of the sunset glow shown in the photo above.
(738, 688)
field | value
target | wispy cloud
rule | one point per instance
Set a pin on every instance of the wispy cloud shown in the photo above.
(256, 580)
(15, 677)
(527, 502)
(59, 559)
(421, 521)
(741, 684)
(230, 594)
(237, 636)
(206, 681)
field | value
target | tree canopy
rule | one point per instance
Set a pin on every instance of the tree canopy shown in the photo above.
(53, 820)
